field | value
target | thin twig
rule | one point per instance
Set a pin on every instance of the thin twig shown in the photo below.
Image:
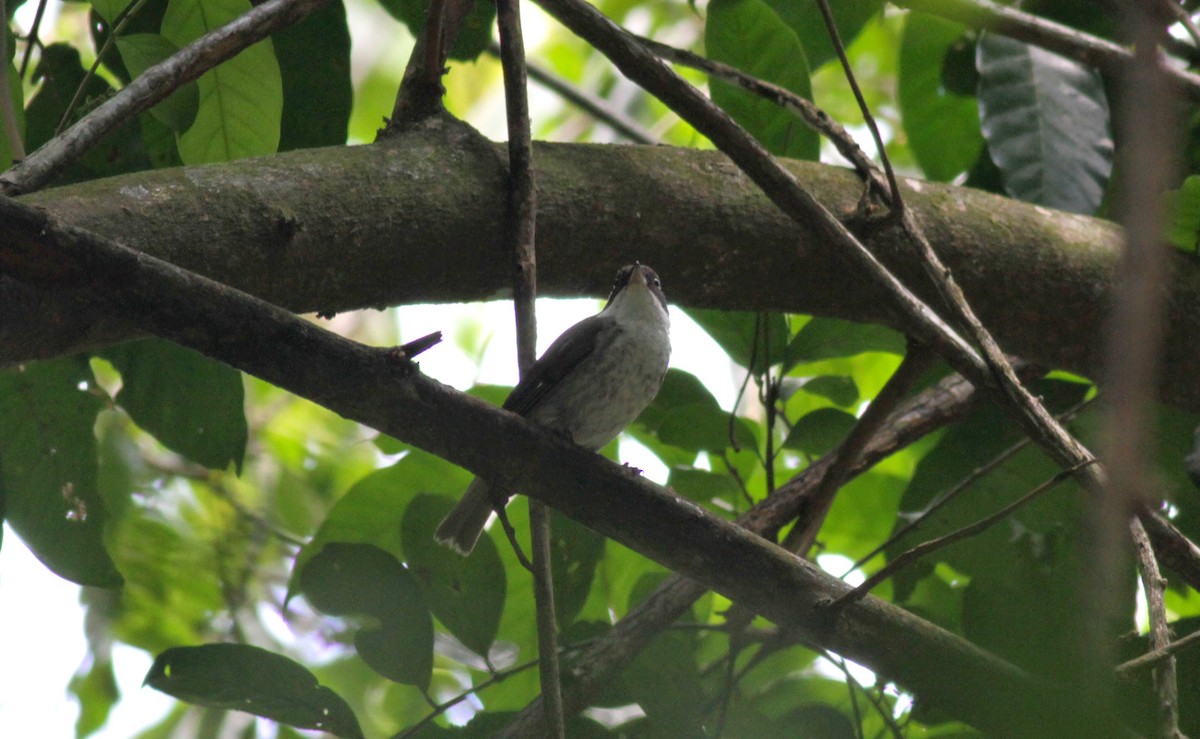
(122, 21)
(836, 37)
(593, 105)
(958, 488)
(151, 87)
(1165, 684)
(31, 40)
(814, 117)
(944, 541)
(522, 235)
(1126, 670)
(12, 131)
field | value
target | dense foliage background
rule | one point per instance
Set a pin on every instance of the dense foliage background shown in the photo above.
(198, 506)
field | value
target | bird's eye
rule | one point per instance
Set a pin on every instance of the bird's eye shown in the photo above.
(656, 282)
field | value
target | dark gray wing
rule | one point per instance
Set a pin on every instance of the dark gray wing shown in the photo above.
(566, 353)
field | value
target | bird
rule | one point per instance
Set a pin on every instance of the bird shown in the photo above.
(592, 382)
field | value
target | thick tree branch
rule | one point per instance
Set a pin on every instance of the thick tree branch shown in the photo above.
(374, 388)
(335, 230)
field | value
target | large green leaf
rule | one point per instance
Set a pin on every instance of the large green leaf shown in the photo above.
(942, 125)
(395, 635)
(575, 551)
(241, 100)
(240, 677)
(48, 468)
(371, 511)
(1183, 226)
(465, 593)
(314, 61)
(1046, 121)
(190, 403)
(748, 34)
(826, 338)
(686, 415)
(804, 17)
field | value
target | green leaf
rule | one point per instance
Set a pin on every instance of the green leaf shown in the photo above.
(371, 511)
(942, 127)
(48, 468)
(240, 677)
(1183, 227)
(96, 691)
(1046, 121)
(190, 403)
(752, 342)
(839, 389)
(241, 100)
(749, 35)
(804, 17)
(702, 486)
(820, 432)
(314, 62)
(472, 40)
(109, 10)
(465, 593)
(827, 338)
(140, 51)
(971, 444)
(575, 551)
(686, 415)
(395, 637)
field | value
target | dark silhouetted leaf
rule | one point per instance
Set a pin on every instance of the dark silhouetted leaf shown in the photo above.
(364, 582)
(820, 432)
(240, 677)
(192, 404)
(471, 41)
(314, 63)
(1046, 121)
(465, 593)
(48, 468)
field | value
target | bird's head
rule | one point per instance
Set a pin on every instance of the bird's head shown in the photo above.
(638, 290)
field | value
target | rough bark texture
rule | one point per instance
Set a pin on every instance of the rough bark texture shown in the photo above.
(421, 221)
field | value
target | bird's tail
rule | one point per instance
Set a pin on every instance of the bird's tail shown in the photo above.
(461, 527)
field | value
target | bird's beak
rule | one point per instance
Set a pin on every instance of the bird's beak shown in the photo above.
(638, 276)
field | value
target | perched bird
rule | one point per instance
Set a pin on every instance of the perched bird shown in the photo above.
(589, 385)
